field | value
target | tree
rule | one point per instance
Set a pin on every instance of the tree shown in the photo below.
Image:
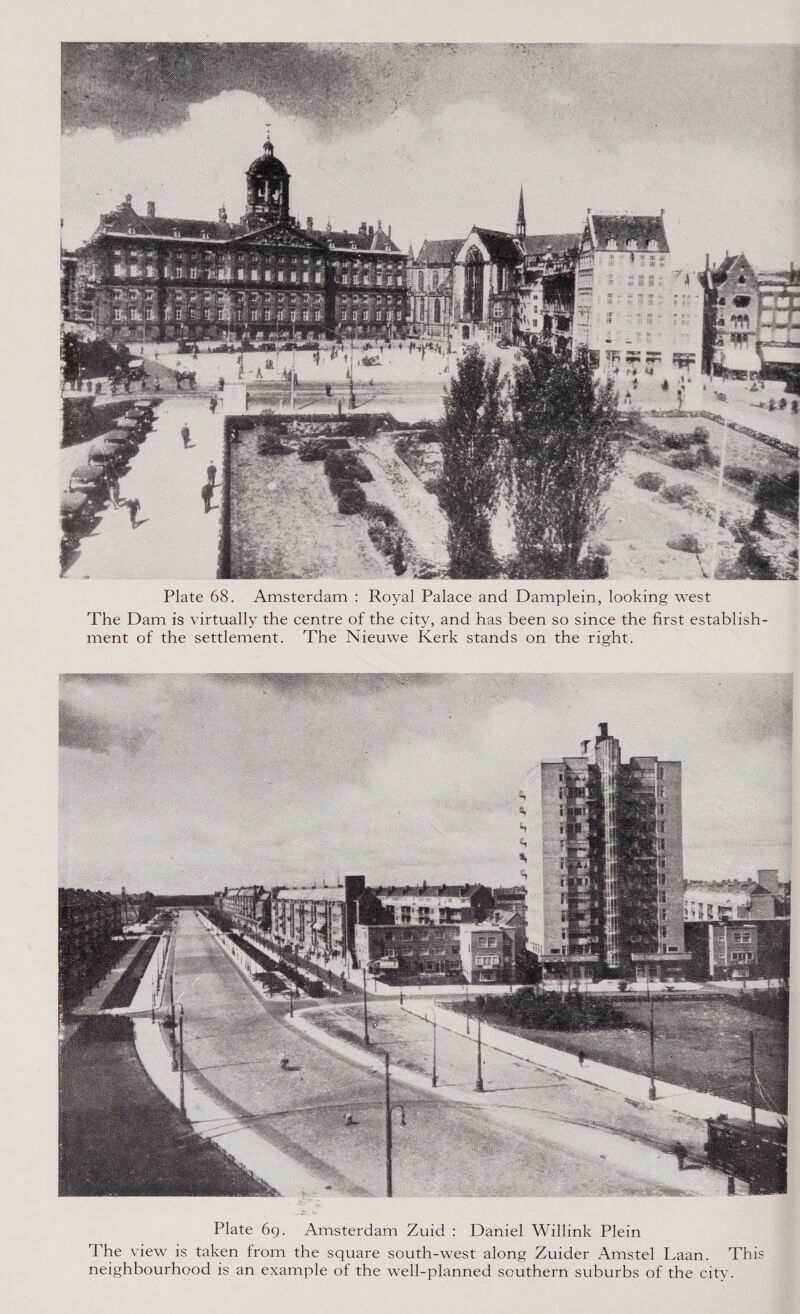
(471, 437)
(562, 453)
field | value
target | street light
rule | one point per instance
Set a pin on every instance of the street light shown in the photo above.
(433, 1065)
(651, 1094)
(181, 1065)
(390, 1108)
(366, 1017)
(479, 1075)
(352, 399)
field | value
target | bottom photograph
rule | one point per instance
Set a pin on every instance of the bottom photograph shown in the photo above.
(424, 935)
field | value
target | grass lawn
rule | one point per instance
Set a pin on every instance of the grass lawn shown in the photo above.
(118, 1135)
(700, 1043)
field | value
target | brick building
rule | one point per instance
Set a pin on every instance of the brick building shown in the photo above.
(321, 919)
(488, 953)
(88, 920)
(731, 318)
(152, 278)
(435, 905)
(739, 950)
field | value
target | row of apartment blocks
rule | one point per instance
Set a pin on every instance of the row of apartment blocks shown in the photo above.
(446, 932)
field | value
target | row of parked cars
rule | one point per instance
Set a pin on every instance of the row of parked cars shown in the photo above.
(108, 457)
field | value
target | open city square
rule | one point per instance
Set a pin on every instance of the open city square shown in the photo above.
(251, 392)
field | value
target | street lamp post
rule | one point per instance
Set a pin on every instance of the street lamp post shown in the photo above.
(366, 1016)
(434, 1077)
(293, 358)
(172, 1021)
(389, 1110)
(181, 1064)
(651, 1094)
(352, 399)
(479, 1072)
(466, 1005)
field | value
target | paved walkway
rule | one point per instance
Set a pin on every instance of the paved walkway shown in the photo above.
(174, 538)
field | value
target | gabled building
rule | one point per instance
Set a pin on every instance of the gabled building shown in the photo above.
(779, 324)
(430, 288)
(487, 274)
(150, 278)
(731, 318)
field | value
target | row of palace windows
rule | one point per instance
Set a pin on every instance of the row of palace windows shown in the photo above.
(218, 267)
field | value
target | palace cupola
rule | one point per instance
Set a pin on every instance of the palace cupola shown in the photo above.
(267, 189)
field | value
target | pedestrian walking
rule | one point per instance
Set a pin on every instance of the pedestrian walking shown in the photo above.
(681, 1153)
(207, 492)
(113, 489)
(212, 405)
(581, 1057)
(185, 435)
(349, 1120)
(259, 375)
(212, 474)
(133, 510)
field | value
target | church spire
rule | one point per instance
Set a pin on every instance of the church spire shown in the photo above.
(521, 225)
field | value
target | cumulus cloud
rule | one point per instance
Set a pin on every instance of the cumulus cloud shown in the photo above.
(434, 173)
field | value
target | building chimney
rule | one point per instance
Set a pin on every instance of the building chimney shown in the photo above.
(380, 226)
(129, 200)
(371, 231)
(151, 209)
(707, 262)
(603, 728)
(223, 215)
(584, 747)
(309, 223)
(389, 232)
(362, 228)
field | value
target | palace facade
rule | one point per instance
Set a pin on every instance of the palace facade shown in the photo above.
(148, 278)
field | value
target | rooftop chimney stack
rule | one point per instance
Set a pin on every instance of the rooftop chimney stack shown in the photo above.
(309, 224)
(603, 728)
(151, 209)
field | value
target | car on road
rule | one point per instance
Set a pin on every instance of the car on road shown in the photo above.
(108, 455)
(136, 368)
(77, 513)
(132, 428)
(125, 444)
(91, 480)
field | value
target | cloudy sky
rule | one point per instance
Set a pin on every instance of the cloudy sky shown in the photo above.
(432, 139)
(182, 783)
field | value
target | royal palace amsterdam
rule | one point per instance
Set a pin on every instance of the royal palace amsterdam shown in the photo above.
(148, 278)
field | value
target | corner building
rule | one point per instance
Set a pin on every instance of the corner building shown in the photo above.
(601, 848)
(144, 278)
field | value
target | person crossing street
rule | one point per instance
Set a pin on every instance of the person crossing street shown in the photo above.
(207, 492)
(212, 474)
(185, 435)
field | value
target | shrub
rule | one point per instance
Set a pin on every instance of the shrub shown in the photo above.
(650, 480)
(686, 460)
(677, 492)
(271, 445)
(755, 563)
(685, 543)
(740, 474)
(759, 521)
(778, 493)
(699, 434)
(377, 513)
(352, 500)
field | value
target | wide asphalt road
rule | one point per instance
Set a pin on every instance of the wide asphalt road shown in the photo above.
(234, 1040)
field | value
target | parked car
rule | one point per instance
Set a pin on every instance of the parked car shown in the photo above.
(108, 455)
(132, 428)
(136, 368)
(89, 479)
(77, 512)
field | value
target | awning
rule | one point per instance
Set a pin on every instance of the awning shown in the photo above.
(781, 355)
(745, 361)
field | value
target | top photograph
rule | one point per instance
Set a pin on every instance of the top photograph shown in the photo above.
(464, 311)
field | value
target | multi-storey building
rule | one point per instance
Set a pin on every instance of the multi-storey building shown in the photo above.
(88, 920)
(725, 901)
(488, 953)
(321, 919)
(623, 292)
(779, 324)
(435, 905)
(739, 950)
(148, 278)
(688, 312)
(602, 857)
(248, 906)
(410, 951)
(731, 318)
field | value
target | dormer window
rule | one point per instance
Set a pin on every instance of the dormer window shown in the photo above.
(612, 243)
(652, 245)
(176, 232)
(631, 243)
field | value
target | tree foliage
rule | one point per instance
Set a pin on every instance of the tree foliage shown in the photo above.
(471, 439)
(562, 452)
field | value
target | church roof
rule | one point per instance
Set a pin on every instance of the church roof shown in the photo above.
(440, 251)
(558, 243)
(501, 246)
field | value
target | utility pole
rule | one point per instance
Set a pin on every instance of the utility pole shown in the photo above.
(293, 358)
(172, 1019)
(466, 1005)
(433, 1072)
(753, 1080)
(352, 400)
(651, 1094)
(479, 1076)
(366, 1016)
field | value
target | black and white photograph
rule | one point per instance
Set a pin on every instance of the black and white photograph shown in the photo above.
(412, 935)
(361, 311)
